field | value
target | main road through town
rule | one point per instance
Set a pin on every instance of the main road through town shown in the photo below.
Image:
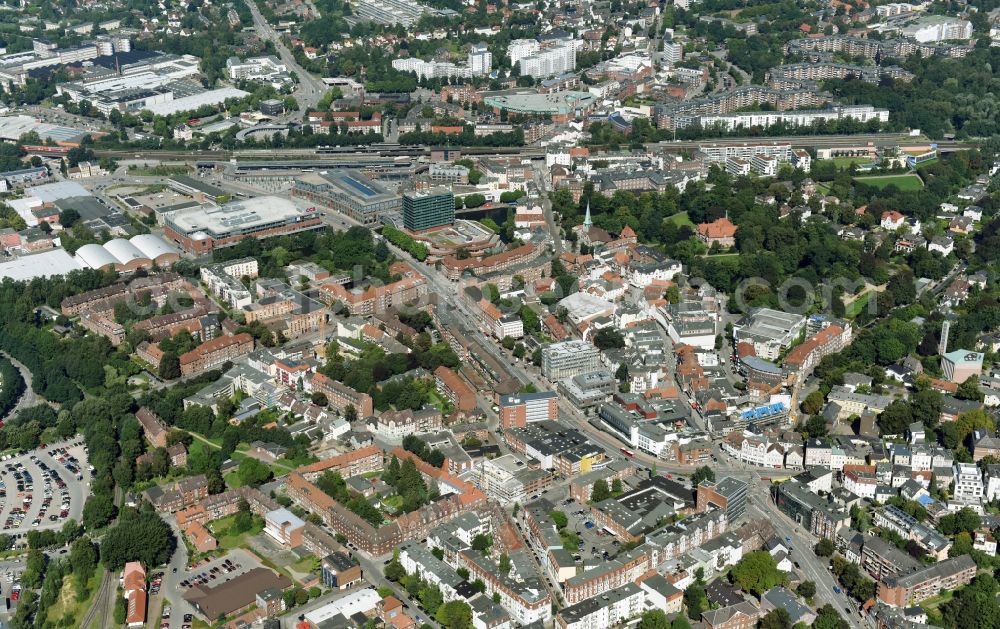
(310, 89)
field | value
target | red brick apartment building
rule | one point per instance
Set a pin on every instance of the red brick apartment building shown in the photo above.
(490, 264)
(408, 527)
(376, 299)
(153, 427)
(106, 298)
(214, 353)
(162, 326)
(911, 589)
(803, 358)
(609, 576)
(350, 464)
(340, 396)
(455, 388)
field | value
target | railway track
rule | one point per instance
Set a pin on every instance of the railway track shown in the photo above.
(103, 600)
(397, 150)
(100, 600)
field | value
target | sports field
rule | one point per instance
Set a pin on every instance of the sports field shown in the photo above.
(903, 182)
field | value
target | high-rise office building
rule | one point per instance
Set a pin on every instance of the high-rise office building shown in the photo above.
(480, 60)
(673, 52)
(569, 358)
(427, 209)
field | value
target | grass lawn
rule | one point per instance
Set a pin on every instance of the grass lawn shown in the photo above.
(858, 305)
(66, 603)
(933, 604)
(681, 220)
(718, 256)
(436, 400)
(846, 162)
(306, 565)
(570, 540)
(233, 480)
(227, 541)
(296, 462)
(394, 502)
(903, 182)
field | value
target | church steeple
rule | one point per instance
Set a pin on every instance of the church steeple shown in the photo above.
(587, 221)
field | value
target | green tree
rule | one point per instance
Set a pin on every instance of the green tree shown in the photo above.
(394, 571)
(482, 542)
(775, 619)
(143, 537)
(609, 338)
(969, 390)
(654, 619)
(974, 605)
(965, 520)
(701, 474)
(824, 548)
(695, 600)
(98, 512)
(680, 622)
(757, 572)
(252, 472)
(559, 518)
(975, 419)
(170, 366)
(600, 491)
(454, 615)
(807, 589)
(813, 403)
(431, 599)
(829, 618)
(243, 521)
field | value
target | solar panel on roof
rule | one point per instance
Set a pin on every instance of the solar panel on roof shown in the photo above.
(360, 187)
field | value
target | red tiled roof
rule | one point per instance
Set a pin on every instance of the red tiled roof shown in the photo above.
(721, 228)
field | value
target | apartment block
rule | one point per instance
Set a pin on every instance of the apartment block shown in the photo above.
(214, 353)
(154, 429)
(455, 388)
(339, 395)
(911, 589)
(376, 299)
(607, 610)
(224, 280)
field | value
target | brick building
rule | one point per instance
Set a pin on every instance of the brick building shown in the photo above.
(455, 388)
(153, 427)
(214, 353)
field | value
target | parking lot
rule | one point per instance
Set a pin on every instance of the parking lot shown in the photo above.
(43, 488)
(219, 570)
(10, 586)
(597, 544)
(207, 573)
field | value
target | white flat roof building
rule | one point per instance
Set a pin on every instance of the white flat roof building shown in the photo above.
(582, 307)
(360, 601)
(190, 103)
(44, 264)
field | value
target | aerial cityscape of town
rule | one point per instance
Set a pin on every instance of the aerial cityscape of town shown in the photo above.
(499, 314)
